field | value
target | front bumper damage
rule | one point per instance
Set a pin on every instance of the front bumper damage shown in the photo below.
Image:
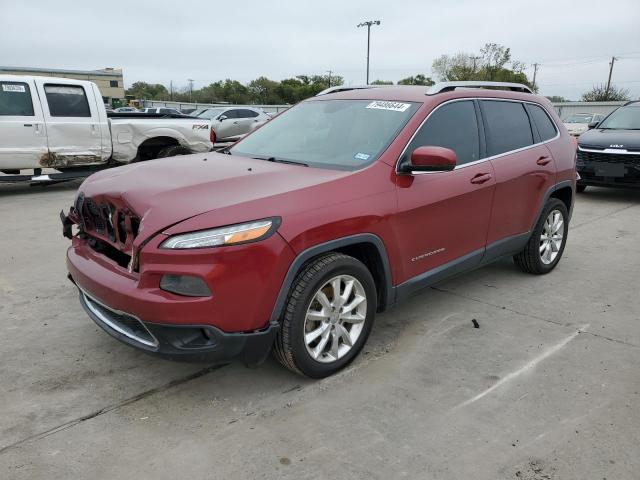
(193, 343)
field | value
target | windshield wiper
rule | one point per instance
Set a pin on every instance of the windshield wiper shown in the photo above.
(282, 160)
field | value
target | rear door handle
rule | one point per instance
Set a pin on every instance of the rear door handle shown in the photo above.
(543, 161)
(481, 178)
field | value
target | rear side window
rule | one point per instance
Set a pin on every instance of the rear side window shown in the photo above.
(247, 114)
(453, 125)
(507, 126)
(67, 101)
(15, 99)
(545, 126)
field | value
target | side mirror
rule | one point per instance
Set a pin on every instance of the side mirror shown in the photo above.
(593, 125)
(222, 117)
(432, 159)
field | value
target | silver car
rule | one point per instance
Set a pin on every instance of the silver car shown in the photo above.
(232, 123)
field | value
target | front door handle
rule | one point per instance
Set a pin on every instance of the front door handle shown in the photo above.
(481, 178)
(543, 161)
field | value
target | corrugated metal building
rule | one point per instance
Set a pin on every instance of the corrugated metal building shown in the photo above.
(566, 109)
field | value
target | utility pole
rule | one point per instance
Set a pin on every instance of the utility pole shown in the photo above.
(613, 59)
(329, 72)
(535, 73)
(474, 62)
(190, 80)
(368, 24)
(171, 90)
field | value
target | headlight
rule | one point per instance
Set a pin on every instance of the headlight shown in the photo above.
(232, 235)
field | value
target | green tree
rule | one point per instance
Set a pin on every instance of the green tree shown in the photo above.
(493, 64)
(600, 93)
(557, 99)
(148, 91)
(382, 82)
(419, 79)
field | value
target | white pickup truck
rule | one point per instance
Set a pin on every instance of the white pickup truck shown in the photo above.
(60, 123)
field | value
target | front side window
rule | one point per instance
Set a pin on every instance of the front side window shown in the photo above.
(67, 101)
(335, 134)
(507, 125)
(453, 125)
(545, 126)
(624, 118)
(209, 113)
(15, 99)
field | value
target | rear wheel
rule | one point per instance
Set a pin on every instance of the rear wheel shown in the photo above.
(546, 245)
(328, 317)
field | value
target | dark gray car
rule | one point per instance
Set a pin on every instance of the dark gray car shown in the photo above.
(232, 123)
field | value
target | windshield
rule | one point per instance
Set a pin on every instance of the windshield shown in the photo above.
(624, 118)
(210, 113)
(580, 118)
(339, 134)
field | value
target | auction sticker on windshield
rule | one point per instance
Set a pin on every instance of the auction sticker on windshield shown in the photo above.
(13, 88)
(394, 106)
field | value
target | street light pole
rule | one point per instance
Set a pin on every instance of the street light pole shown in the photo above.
(368, 24)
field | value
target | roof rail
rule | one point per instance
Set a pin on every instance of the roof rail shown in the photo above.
(631, 102)
(449, 86)
(344, 88)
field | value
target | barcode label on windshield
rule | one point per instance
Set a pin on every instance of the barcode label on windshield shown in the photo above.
(13, 88)
(394, 106)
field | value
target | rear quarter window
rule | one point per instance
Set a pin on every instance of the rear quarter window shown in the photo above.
(507, 124)
(15, 99)
(545, 126)
(67, 101)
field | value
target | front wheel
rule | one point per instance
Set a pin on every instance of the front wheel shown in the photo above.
(548, 239)
(328, 317)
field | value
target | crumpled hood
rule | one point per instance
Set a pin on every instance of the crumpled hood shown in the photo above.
(164, 192)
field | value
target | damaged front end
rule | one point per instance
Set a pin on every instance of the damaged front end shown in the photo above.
(108, 226)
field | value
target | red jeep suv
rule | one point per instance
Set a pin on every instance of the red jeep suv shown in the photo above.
(293, 239)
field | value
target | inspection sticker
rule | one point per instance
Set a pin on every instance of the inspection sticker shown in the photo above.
(13, 88)
(394, 106)
(361, 156)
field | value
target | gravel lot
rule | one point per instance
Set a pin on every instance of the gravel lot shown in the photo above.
(547, 388)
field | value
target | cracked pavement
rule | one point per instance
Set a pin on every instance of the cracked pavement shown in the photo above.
(548, 386)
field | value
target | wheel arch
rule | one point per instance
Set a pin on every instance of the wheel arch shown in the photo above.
(563, 191)
(151, 146)
(366, 247)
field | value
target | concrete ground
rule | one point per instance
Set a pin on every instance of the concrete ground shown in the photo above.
(547, 388)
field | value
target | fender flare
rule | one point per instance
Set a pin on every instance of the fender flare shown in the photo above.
(312, 252)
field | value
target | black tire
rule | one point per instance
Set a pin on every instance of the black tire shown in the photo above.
(290, 348)
(580, 188)
(172, 151)
(530, 259)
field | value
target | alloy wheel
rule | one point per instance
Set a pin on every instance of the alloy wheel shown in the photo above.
(335, 318)
(551, 237)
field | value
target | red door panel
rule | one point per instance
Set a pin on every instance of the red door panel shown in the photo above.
(522, 179)
(442, 216)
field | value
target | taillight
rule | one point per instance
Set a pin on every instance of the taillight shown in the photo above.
(212, 135)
